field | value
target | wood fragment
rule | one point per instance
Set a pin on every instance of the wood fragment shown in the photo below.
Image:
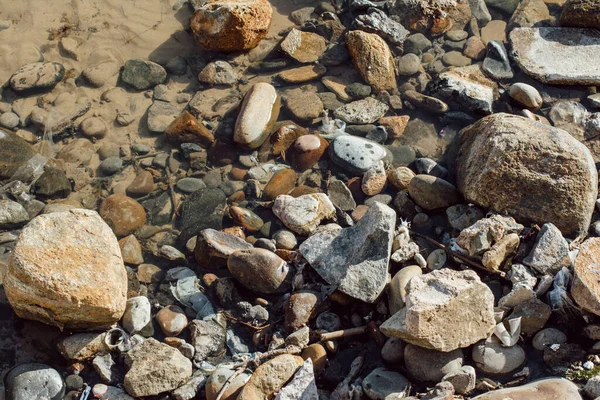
(344, 333)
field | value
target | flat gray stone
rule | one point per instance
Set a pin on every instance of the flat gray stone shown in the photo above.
(365, 111)
(356, 154)
(34, 381)
(143, 74)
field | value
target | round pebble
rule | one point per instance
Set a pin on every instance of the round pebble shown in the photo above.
(172, 320)
(525, 95)
(111, 165)
(547, 337)
(9, 120)
(190, 185)
(285, 239)
(328, 321)
(408, 64)
(93, 127)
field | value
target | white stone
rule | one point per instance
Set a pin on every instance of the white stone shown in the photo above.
(137, 314)
(303, 214)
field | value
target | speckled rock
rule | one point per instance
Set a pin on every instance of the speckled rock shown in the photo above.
(34, 381)
(142, 74)
(365, 111)
(304, 47)
(372, 58)
(37, 76)
(586, 288)
(270, 377)
(356, 154)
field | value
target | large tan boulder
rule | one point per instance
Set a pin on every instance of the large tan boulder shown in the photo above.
(67, 271)
(445, 310)
(586, 285)
(528, 170)
(232, 25)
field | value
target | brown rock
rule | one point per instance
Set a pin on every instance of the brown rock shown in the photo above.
(14, 152)
(359, 212)
(259, 270)
(304, 106)
(213, 248)
(299, 309)
(337, 85)
(374, 180)
(142, 185)
(281, 183)
(586, 285)
(286, 132)
(400, 177)
(494, 30)
(149, 273)
(305, 47)
(246, 218)
(474, 48)
(544, 389)
(270, 377)
(307, 151)
(218, 378)
(530, 13)
(231, 25)
(302, 190)
(316, 352)
(187, 129)
(123, 214)
(372, 58)
(581, 14)
(172, 320)
(66, 270)
(394, 125)
(131, 250)
(238, 174)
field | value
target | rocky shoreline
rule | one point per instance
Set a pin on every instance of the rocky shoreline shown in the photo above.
(382, 199)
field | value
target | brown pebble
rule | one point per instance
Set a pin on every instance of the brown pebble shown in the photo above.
(318, 355)
(287, 255)
(246, 218)
(149, 273)
(237, 197)
(298, 310)
(174, 341)
(187, 129)
(237, 174)
(131, 250)
(123, 214)
(209, 279)
(281, 183)
(141, 185)
(235, 231)
(394, 125)
(302, 190)
(306, 151)
(172, 320)
(355, 186)
(259, 270)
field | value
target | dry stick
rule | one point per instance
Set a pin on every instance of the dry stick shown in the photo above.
(343, 333)
(172, 194)
(462, 258)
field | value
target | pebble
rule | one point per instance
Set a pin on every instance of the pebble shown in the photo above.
(285, 239)
(304, 106)
(12, 214)
(493, 358)
(474, 49)
(417, 44)
(307, 150)
(381, 383)
(218, 378)
(187, 129)
(270, 377)
(496, 63)
(317, 354)
(34, 381)
(374, 180)
(340, 195)
(9, 120)
(304, 213)
(427, 365)
(172, 320)
(542, 389)
(365, 111)
(246, 218)
(373, 59)
(249, 263)
(258, 112)
(393, 350)
(123, 214)
(37, 76)
(304, 47)
(160, 115)
(408, 64)
(427, 103)
(358, 90)
(394, 125)
(432, 193)
(190, 185)
(111, 165)
(141, 185)
(547, 337)
(494, 30)
(302, 74)
(218, 73)
(131, 250)
(456, 59)
(525, 95)
(356, 154)
(463, 380)
(93, 127)
(137, 314)
(299, 309)
(142, 75)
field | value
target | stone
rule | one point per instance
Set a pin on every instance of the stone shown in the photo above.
(394, 125)
(217, 379)
(374, 180)
(299, 309)
(231, 26)
(463, 380)
(307, 150)
(141, 185)
(378, 22)
(525, 95)
(213, 248)
(190, 185)
(373, 59)
(444, 298)
(382, 382)
(474, 48)
(356, 154)
(397, 291)
(111, 166)
(9, 120)
(208, 338)
(302, 74)
(355, 259)
(258, 113)
(550, 252)
(270, 377)
(12, 214)
(52, 275)
(492, 357)
(81, 346)
(304, 106)
(131, 250)
(480, 12)
(585, 289)
(495, 256)
(466, 88)
(14, 153)
(218, 73)
(431, 16)
(187, 129)
(543, 389)
(485, 232)
(417, 43)
(246, 218)
(172, 320)
(428, 103)
(137, 314)
(493, 30)
(455, 59)
(34, 381)
(408, 64)
(530, 13)
(282, 182)
(426, 365)
(303, 385)
(155, 368)
(37, 76)
(304, 213)
(534, 315)
(337, 84)
(79, 152)
(123, 214)
(104, 66)
(304, 47)
(557, 56)
(199, 211)
(496, 63)
(259, 270)
(93, 127)
(340, 196)
(580, 14)
(529, 189)
(400, 177)
(547, 337)
(365, 111)
(432, 193)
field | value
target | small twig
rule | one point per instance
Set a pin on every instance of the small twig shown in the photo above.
(343, 333)
(462, 258)
(172, 193)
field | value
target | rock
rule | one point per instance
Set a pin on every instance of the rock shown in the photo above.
(208, 338)
(400, 177)
(81, 346)
(304, 213)
(143, 75)
(303, 385)
(141, 185)
(382, 382)
(218, 378)
(155, 368)
(544, 389)
(218, 73)
(340, 196)
(231, 26)
(495, 256)
(270, 377)
(131, 250)
(356, 154)
(93, 127)
(480, 11)
(52, 273)
(304, 47)
(302, 74)
(355, 259)
(526, 96)
(34, 381)
(37, 76)
(213, 248)
(397, 291)
(427, 365)
(246, 218)
(161, 115)
(496, 63)
(492, 357)
(365, 111)
(440, 299)
(190, 185)
(530, 13)
(299, 309)
(304, 106)
(474, 48)
(200, 211)
(455, 59)
(258, 113)
(137, 314)
(378, 22)
(462, 216)
(123, 214)
(111, 166)
(592, 387)
(550, 252)
(580, 14)
(432, 193)
(14, 153)
(307, 150)
(484, 233)
(282, 182)
(431, 16)
(408, 64)
(374, 180)
(259, 270)
(558, 56)
(373, 59)
(12, 214)
(417, 44)
(568, 194)
(104, 66)
(172, 320)
(494, 30)
(9, 120)
(585, 289)
(463, 379)
(547, 337)
(187, 129)
(427, 103)
(394, 125)
(466, 88)
(534, 315)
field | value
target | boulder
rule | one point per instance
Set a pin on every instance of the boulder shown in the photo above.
(497, 169)
(586, 285)
(355, 259)
(67, 271)
(544, 389)
(439, 300)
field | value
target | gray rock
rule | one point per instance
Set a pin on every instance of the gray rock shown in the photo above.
(461, 216)
(547, 337)
(340, 196)
(218, 73)
(177, 65)
(466, 88)
(356, 154)
(463, 379)
(9, 120)
(160, 116)
(393, 350)
(416, 44)
(190, 389)
(12, 214)
(137, 314)
(558, 56)
(34, 381)
(592, 387)
(190, 185)
(355, 260)
(111, 165)
(505, 6)
(427, 365)
(381, 383)
(480, 11)
(365, 111)
(492, 357)
(142, 74)
(37, 76)
(81, 346)
(432, 193)
(496, 63)
(198, 212)
(53, 183)
(377, 21)
(208, 338)
(408, 64)
(103, 365)
(550, 252)
(303, 385)
(358, 90)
